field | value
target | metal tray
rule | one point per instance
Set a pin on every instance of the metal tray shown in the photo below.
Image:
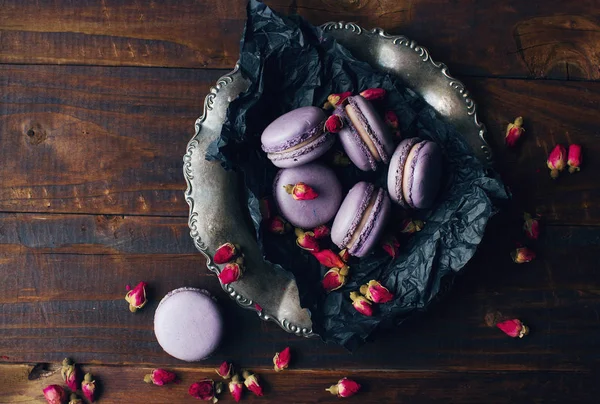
(216, 214)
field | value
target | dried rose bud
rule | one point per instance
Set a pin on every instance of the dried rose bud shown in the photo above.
(278, 226)
(410, 226)
(397, 135)
(391, 245)
(376, 292)
(361, 304)
(225, 253)
(391, 119)
(340, 159)
(513, 328)
(251, 383)
(281, 360)
(522, 255)
(225, 370)
(321, 231)
(70, 374)
(327, 106)
(136, 297)
(74, 399)
(334, 124)
(574, 160)
(531, 227)
(231, 272)
(301, 191)
(557, 160)
(344, 255)
(160, 377)
(88, 386)
(344, 388)
(265, 208)
(329, 259)
(203, 390)
(513, 132)
(373, 94)
(334, 279)
(236, 388)
(337, 99)
(306, 240)
(55, 394)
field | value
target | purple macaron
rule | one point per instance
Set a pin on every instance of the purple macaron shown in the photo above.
(188, 324)
(308, 214)
(361, 219)
(297, 137)
(364, 136)
(415, 173)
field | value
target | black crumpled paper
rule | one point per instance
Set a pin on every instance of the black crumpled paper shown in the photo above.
(291, 64)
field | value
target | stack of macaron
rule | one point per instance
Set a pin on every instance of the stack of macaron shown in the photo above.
(307, 193)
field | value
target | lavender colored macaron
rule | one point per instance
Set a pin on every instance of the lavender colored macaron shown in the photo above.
(361, 219)
(415, 173)
(188, 324)
(364, 136)
(308, 214)
(297, 137)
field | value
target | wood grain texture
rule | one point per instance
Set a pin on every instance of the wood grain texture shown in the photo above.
(555, 39)
(62, 280)
(124, 384)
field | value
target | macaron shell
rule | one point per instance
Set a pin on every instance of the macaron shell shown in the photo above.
(355, 148)
(375, 226)
(292, 128)
(426, 175)
(305, 154)
(381, 136)
(396, 170)
(188, 324)
(350, 213)
(311, 213)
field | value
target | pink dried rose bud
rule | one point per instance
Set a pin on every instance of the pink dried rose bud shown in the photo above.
(278, 226)
(70, 374)
(55, 394)
(321, 231)
(160, 377)
(88, 387)
(281, 360)
(203, 390)
(574, 161)
(373, 94)
(410, 226)
(236, 388)
(514, 131)
(225, 370)
(391, 119)
(74, 399)
(344, 255)
(531, 227)
(225, 253)
(334, 279)
(334, 124)
(337, 99)
(522, 255)
(136, 297)
(391, 245)
(231, 272)
(252, 384)
(265, 208)
(329, 259)
(306, 240)
(557, 160)
(361, 304)
(344, 388)
(301, 191)
(513, 328)
(340, 159)
(376, 292)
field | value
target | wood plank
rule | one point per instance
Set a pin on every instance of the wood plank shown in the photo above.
(124, 384)
(62, 281)
(512, 38)
(111, 140)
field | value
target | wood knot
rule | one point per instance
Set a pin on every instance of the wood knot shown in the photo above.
(36, 134)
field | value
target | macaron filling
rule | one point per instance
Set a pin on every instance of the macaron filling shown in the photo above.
(362, 208)
(302, 148)
(367, 222)
(407, 176)
(353, 132)
(364, 129)
(404, 154)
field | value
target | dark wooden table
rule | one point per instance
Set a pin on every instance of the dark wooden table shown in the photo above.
(97, 103)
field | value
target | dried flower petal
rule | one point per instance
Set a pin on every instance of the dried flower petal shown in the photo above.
(557, 160)
(225, 370)
(373, 94)
(136, 297)
(225, 253)
(329, 259)
(391, 245)
(236, 388)
(340, 159)
(391, 119)
(574, 160)
(321, 231)
(55, 394)
(344, 255)
(344, 388)
(410, 226)
(88, 386)
(160, 377)
(334, 279)
(513, 328)
(334, 124)
(74, 399)
(278, 226)
(376, 292)
(361, 304)
(70, 374)
(301, 191)
(203, 390)
(307, 240)
(281, 360)
(531, 227)
(513, 132)
(231, 272)
(337, 99)
(522, 255)
(251, 383)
